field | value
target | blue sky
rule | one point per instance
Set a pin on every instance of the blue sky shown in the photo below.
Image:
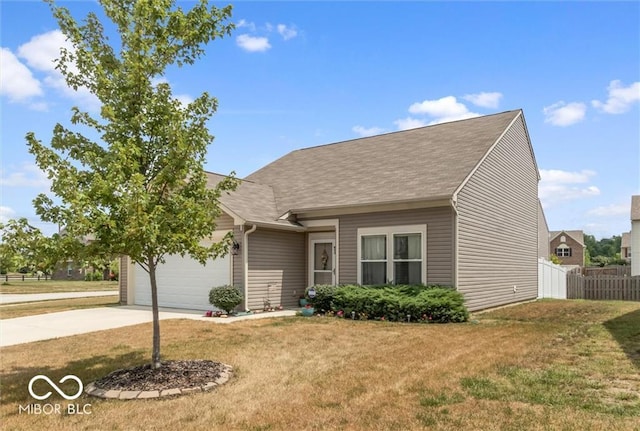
(299, 74)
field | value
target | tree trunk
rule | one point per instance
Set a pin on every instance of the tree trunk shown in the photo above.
(155, 355)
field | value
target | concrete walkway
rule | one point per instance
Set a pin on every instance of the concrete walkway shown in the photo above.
(14, 298)
(54, 325)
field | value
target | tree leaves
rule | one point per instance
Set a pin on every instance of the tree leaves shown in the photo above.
(138, 188)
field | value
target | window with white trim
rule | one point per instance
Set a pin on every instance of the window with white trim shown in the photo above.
(563, 251)
(395, 254)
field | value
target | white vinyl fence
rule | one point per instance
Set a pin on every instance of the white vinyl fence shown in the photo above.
(552, 280)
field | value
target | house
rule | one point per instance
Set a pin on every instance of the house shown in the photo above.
(452, 204)
(72, 269)
(543, 234)
(569, 246)
(625, 247)
(635, 235)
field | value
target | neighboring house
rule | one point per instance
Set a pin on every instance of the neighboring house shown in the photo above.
(635, 235)
(71, 269)
(625, 247)
(453, 204)
(569, 246)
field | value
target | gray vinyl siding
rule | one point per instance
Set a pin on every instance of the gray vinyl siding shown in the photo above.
(543, 234)
(440, 239)
(224, 222)
(497, 225)
(277, 267)
(237, 264)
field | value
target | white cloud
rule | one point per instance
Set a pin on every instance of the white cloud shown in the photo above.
(444, 110)
(253, 44)
(611, 210)
(444, 107)
(485, 100)
(566, 177)
(454, 118)
(564, 114)
(287, 32)
(43, 49)
(409, 123)
(620, 98)
(6, 213)
(364, 131)
(28, 176)
(16, 80)
(560, 186)
(40, 54)
(243, 23)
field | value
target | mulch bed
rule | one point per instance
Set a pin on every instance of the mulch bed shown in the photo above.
(171, 375)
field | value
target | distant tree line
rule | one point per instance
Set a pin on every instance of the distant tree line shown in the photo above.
(25, 249)
(603, 252)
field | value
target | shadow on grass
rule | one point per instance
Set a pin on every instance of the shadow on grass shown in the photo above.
(626, 331)
(15, 382)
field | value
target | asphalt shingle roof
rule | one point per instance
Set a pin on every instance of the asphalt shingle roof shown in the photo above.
(426, 163)
(418, 164)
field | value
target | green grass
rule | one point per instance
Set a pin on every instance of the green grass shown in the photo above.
(53, 286)
(22, 309)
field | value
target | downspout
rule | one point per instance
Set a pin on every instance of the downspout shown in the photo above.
(454, 205)
(245, 264)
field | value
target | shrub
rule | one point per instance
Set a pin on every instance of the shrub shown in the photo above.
(324, 297)
(225, 297)
(395, 303)
(93, 276)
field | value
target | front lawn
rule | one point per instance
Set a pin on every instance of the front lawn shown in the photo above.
(549, 365)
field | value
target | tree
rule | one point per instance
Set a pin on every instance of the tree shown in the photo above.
(25, 246)
(140, 189)
(604, 251)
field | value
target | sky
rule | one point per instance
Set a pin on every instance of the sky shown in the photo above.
(300, 74)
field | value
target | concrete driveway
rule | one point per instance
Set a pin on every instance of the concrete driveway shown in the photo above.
(14, 298)
(54, 325)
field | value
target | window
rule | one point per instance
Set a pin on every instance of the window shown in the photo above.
(392, 255)
(374, 259)
(563, 251)
(407, 258)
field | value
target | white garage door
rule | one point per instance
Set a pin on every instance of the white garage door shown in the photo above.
(183, 282)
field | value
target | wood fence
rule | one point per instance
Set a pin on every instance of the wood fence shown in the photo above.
(603, 287)
(604, 270)
(24, 277)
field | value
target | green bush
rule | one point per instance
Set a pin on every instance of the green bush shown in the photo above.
(395, 303)
(323, 298)
(225, 297)
(93, 276)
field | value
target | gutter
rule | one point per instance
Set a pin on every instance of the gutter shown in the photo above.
(245, 264)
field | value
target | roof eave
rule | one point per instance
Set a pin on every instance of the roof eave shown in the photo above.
(430, 202)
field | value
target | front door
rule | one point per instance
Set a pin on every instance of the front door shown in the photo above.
(323, 257)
